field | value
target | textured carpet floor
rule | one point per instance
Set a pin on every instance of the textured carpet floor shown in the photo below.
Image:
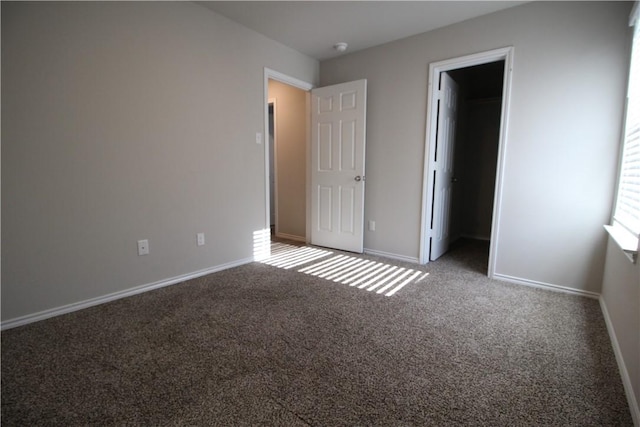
(260, 345)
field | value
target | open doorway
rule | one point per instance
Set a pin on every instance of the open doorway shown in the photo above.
(476, 149)
(466, 129)
(474, 162)
(272, 166)
(328, 201)
(287, 139)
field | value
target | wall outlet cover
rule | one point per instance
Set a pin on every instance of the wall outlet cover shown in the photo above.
(143, 247)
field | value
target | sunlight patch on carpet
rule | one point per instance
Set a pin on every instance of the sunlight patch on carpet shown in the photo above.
(364, 274)
(261, 244)
(289, 256)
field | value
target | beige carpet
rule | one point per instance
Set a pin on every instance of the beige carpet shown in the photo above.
(269, 345)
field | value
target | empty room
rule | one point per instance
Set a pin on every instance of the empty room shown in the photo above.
(320, 213)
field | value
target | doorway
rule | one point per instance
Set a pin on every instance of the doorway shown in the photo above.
(272, 121)
(287, 139)
(473, 187)
(272, 166)
(476, 149)
(329, 198)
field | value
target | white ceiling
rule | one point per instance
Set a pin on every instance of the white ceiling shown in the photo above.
(313, 27)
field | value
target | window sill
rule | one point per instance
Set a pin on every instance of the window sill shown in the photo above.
(625, 240)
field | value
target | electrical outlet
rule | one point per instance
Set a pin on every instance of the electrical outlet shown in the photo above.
(258, 138)
(143, 247)
(200, 239)
(372, 226)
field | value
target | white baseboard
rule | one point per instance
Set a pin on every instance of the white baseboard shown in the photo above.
(548, 286)
(35, 317)
(392, 256)
(291, 237)
(622, 367)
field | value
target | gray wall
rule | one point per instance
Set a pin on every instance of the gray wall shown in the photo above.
(621, 298)
(291, 158)
(124, 121)
(568, 89)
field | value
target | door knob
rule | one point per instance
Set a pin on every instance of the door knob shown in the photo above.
(358, 178)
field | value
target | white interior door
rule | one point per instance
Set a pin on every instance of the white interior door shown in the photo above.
(443, 161)
(338, 123)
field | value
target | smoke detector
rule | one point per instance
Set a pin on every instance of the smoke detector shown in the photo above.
(340, 47)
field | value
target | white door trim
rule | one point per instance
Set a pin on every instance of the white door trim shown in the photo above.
(292, 81)
(435, 69)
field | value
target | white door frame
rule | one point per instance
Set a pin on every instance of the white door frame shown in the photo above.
(291, 81)
(503, 54)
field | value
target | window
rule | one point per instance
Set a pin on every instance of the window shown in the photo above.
(626, 219)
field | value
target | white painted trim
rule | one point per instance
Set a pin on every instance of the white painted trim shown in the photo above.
(291, 237)
(391, 255)
(69, 308)
(502, 159)
(543, 285)
(283, 78)
(624, 373)
(625, 240)
(503, 54)
(308, 176)
(633, 17)
(292, 81)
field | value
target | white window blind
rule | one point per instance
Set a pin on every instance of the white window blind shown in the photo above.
(627, 210)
